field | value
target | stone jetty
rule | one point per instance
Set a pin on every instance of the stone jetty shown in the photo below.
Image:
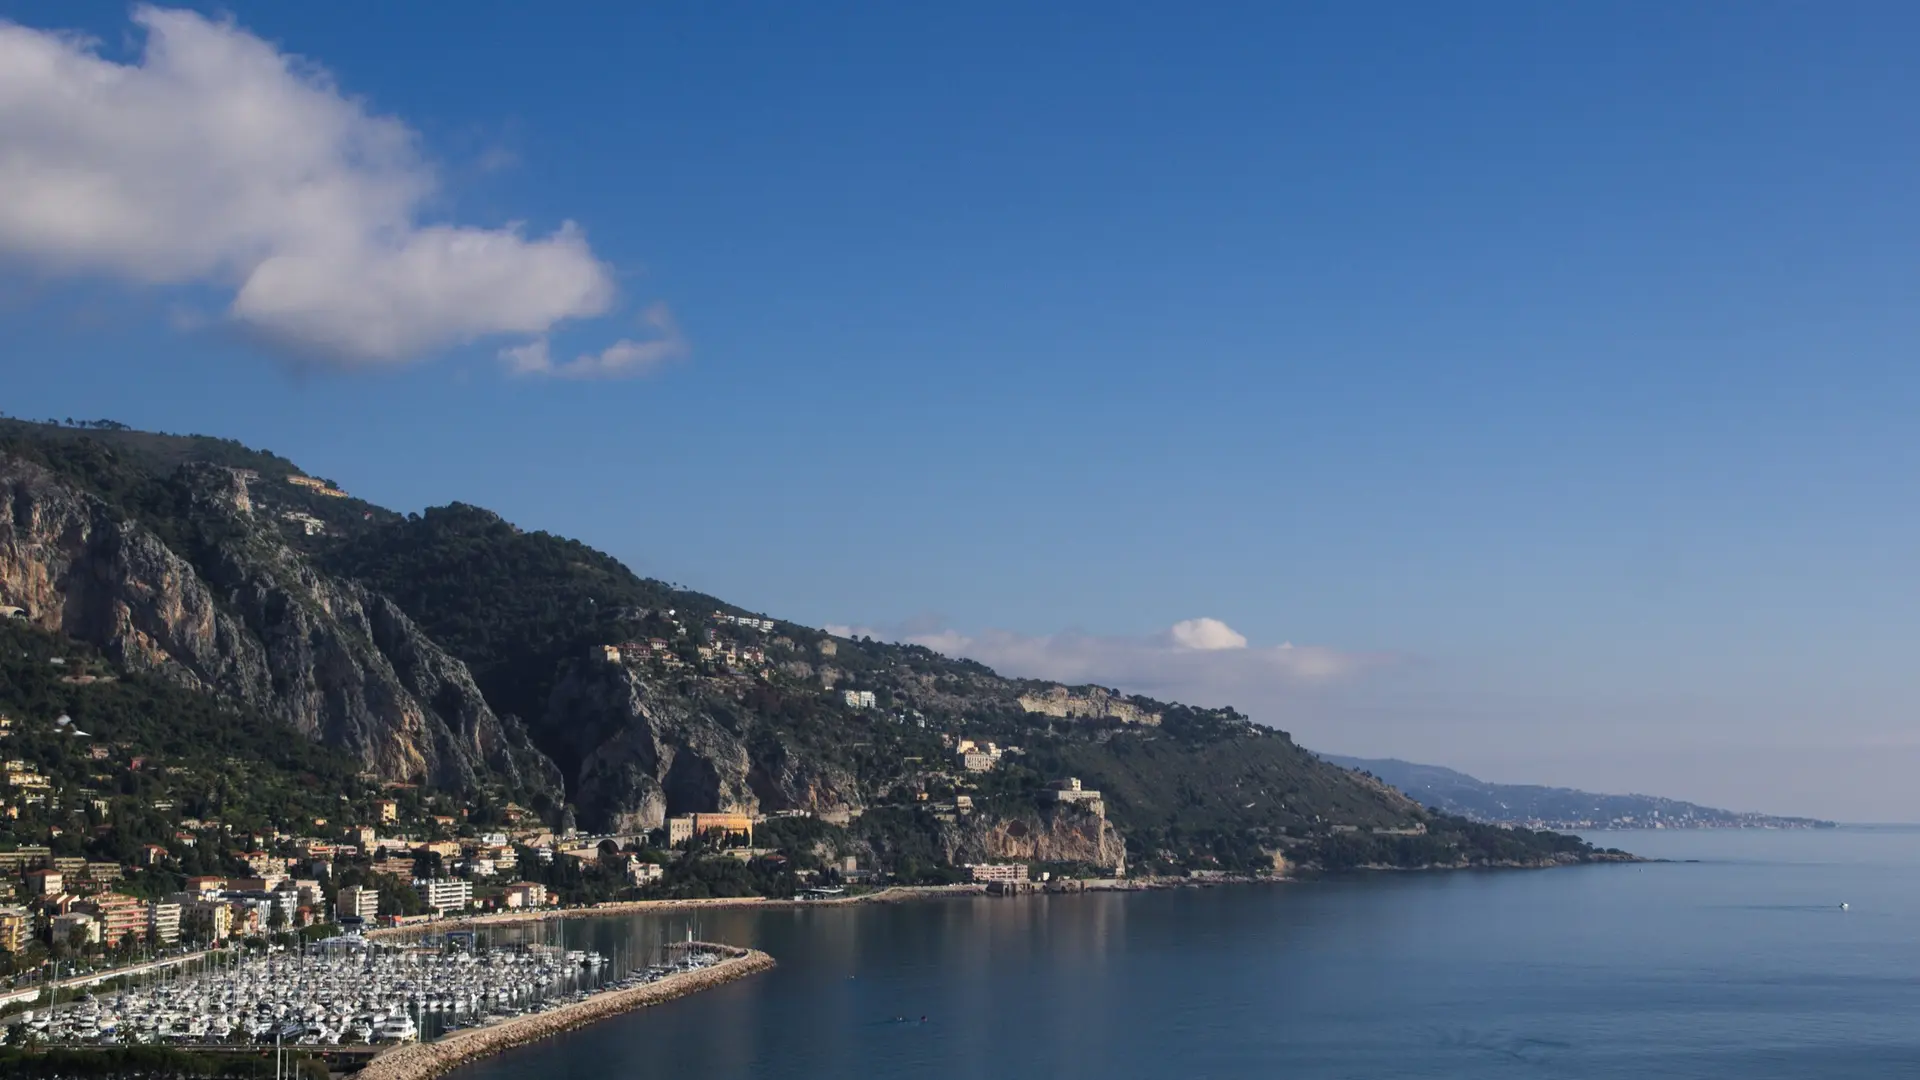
(422, 1061)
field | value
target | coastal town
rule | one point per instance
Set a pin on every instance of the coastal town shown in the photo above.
(343, 816)
(76, 910)
(404, 858)
(340, 944)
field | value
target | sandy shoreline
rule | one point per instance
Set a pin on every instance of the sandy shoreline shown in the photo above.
(422, 1061)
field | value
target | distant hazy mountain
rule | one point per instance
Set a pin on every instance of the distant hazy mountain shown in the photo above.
(1554, 808)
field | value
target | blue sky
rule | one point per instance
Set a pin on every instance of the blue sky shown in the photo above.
(1545, 370)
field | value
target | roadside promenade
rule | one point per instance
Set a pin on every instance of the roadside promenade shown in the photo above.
(895, 894)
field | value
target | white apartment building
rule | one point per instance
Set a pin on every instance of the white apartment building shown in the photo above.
(357, 901)
(446, 894)
(163, 923)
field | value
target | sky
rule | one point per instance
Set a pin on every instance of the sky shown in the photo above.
(1522, 388)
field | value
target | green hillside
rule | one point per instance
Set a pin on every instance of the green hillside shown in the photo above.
(512, 604)
(137, 755)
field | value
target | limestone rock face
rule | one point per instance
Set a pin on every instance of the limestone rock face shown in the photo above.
(645, 752)
(228, 607)
(1094, 704)
(1065, 833)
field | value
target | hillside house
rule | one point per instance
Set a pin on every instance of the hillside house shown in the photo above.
(305, 522)
(318, 487)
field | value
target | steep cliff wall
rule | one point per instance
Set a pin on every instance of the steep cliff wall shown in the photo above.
(249, 619)
(640, 751)
(1058, 834)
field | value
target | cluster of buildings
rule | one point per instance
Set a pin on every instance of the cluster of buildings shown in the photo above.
(23, 785)
(71, 900)
(713, 647)
(981, 756)
(26, 786)
(732, 654)
(486, 857)
(638, 873)
(765, 626)
(639, 653)
(635, 653)
(858, 699)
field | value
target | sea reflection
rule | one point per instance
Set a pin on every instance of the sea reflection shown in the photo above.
(1733, 967)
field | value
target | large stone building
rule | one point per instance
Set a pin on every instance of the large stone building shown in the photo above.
(1005, 873)
(687, 826)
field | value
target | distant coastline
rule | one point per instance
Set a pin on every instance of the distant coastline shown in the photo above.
(907, 893)
(1556, 809)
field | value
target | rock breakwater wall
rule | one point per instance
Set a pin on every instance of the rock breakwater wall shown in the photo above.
(423, 1061)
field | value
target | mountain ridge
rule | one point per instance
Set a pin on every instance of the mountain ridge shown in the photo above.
(456, 650)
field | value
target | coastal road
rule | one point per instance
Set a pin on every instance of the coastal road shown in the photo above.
(95, 978)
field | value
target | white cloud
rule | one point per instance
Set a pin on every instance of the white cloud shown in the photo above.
(1206, 633)
(1198, 662)
(622, 359)
(217, 159)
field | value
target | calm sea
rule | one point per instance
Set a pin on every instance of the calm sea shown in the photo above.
(1740, 964)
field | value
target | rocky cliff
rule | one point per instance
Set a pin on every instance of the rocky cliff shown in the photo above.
(243, 615)
(1094, 703)
(638, 750)
(1060, 834)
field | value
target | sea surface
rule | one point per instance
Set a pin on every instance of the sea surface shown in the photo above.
(1734, 960)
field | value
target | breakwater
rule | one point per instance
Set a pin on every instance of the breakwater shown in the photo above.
(422, 1061)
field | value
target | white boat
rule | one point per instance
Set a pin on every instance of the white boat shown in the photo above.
(396, 1029)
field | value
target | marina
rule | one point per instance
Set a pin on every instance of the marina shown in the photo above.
(348, 991)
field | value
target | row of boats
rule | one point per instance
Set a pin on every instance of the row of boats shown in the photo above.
(346, 992)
